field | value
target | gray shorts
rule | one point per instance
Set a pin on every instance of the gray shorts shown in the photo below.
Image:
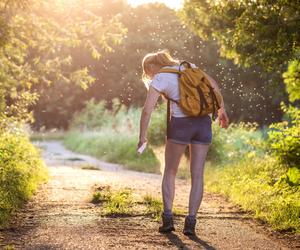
(190, 130)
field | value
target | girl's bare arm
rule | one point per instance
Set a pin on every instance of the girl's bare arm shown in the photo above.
(215, 86)
(222, 115)
(149, 105)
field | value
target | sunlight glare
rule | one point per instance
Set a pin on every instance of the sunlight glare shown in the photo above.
(176, 4)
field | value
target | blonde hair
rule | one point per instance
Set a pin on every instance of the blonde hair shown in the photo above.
(160, 58)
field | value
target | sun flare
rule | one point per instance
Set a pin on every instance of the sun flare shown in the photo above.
(176, 4)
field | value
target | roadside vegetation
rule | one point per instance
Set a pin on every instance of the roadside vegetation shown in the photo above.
(112, 138)
(21, 172)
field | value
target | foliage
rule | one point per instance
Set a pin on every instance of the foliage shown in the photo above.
(89, 116)
(7, 11)
(112, 147)
(284, 139)
(110, 134)
(21, 170)
(47, 135)
(40, 50)
(119, 203)
(101, 194)
(252, 33)
(243, 139)
(292, 80)
(122, 202)
(252, 180)
(154, 206)
(118, 74)
(264, 33)
(96, 115)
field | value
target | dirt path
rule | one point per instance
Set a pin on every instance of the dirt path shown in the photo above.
(61, 216)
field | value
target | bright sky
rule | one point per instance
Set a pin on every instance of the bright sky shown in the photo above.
(171, 3)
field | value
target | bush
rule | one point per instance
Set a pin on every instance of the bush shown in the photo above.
(228, 145)
(96, 116)
(284, 139)
(21, 170)
(89, 116)
(255, 184)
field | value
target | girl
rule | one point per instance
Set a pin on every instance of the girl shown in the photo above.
(184, 130)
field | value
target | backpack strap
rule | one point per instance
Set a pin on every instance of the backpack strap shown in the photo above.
(168, 118)
(215, 103)
(176, 71)
(169, 99)
(168, 112)
(169, 70)
(189, 65)
(203, 102)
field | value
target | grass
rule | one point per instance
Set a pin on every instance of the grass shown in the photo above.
(47, 135)
(122, 202)
(101, 194)
(255, 185)
(115, 203)
(89, 167)
(9, 247)
(74, 159)
(119, 203)
(113, 147)
(154, 206)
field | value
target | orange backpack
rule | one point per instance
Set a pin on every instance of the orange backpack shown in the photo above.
(197, 96)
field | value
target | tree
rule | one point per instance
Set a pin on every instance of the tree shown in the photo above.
(161, 28)
(264, 33)
(118, 75)
(39, 48)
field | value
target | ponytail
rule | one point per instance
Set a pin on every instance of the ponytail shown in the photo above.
(161, 58)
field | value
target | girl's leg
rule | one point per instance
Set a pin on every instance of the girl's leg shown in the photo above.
(173, 153)
(198, 155)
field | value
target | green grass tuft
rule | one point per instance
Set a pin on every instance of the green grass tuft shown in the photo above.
(153, 205)
(9, 247)
(119, 203)
(101, 194)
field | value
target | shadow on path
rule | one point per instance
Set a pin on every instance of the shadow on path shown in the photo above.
(176, 241)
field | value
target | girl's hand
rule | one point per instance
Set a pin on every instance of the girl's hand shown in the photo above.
(223, 118)
(141, 142)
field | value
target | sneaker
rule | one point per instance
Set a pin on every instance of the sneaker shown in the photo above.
(189, 226)
(168, 224)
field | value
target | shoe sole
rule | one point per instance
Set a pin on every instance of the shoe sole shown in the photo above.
(166, 230)
(189, 233)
